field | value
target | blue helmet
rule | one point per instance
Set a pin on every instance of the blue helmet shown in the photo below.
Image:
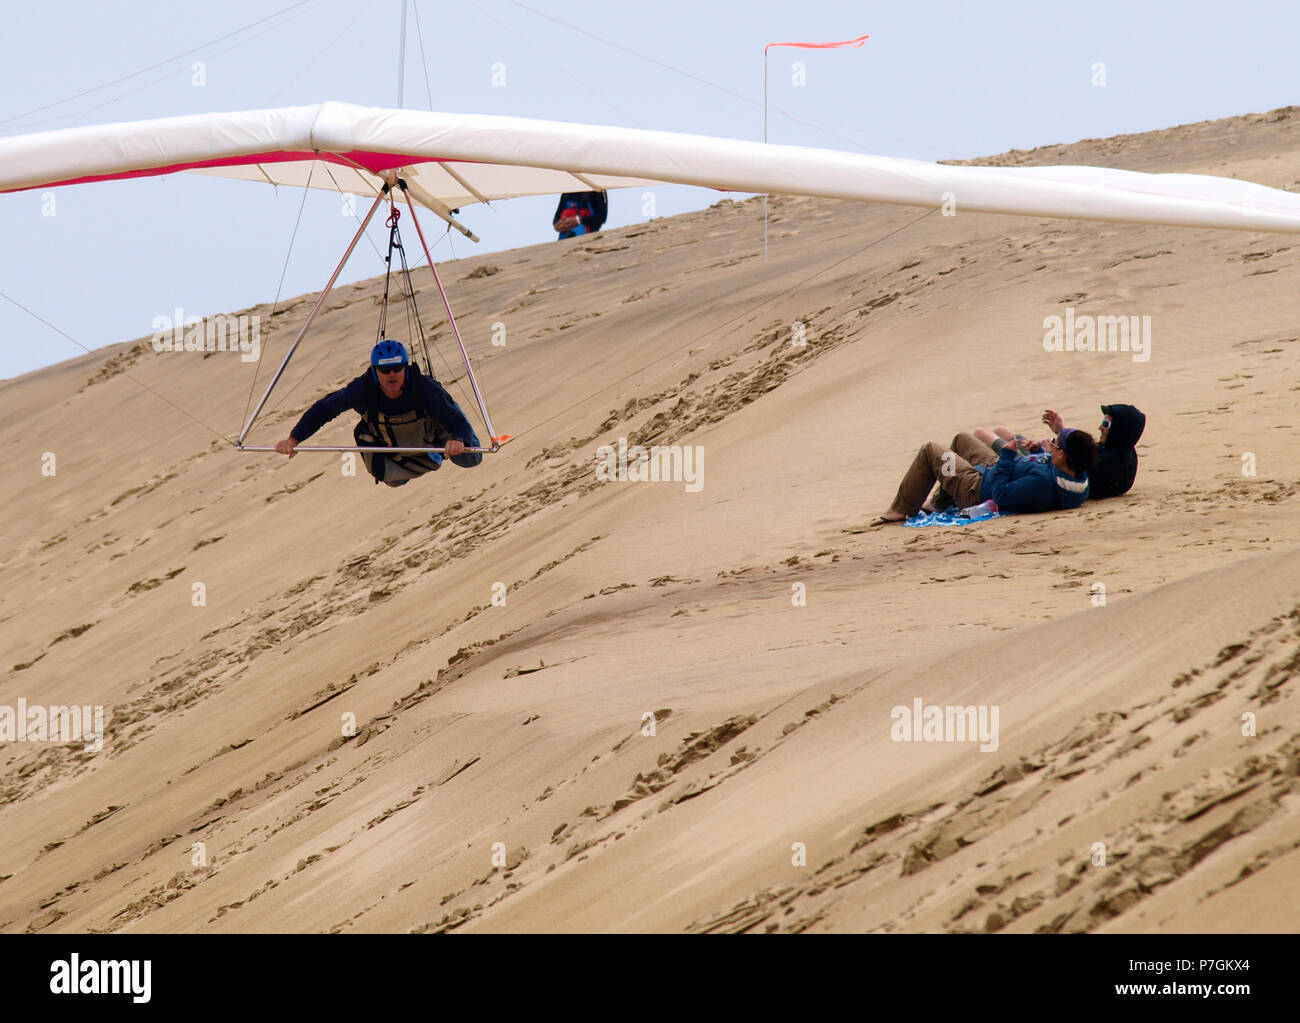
(388, 354)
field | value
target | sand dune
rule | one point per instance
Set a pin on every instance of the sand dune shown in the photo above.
(500, 775)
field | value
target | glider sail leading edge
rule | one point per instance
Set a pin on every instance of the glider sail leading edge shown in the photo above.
(446, 161)
(453, 160)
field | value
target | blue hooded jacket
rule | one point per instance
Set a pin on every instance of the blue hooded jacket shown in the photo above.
(437, 402)
(1020, 484)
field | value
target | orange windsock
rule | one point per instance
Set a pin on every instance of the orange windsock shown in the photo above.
(821, 46)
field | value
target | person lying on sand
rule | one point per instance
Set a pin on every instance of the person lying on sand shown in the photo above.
(1014, 482)
(400, 407)
(1117, 461)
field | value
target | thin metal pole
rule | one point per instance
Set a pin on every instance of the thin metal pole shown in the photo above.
(469, 370)
(310, 316)
(401, 59)
(764, 143)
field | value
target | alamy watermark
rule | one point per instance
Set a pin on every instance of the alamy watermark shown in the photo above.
(1098, 334)
(945, 723)
(635, 463)
(221, 333)
(75, 976)
(53, 724)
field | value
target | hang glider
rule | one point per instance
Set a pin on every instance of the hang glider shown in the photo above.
(453, 160)
(447, 161)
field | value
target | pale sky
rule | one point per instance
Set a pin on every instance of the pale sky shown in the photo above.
(948, 79)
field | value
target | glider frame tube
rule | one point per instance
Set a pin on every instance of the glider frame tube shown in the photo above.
(310, 316)
(469, 370)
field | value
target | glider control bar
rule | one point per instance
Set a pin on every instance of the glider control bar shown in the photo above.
(381, 451)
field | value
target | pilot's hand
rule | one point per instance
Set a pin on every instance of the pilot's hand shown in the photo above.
(453, 448)
(286, 446)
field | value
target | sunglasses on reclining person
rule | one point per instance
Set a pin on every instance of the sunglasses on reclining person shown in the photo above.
(1105, 423)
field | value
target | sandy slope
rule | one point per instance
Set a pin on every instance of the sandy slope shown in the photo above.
(523, 724)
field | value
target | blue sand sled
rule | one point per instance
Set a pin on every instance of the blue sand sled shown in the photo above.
(948, 518)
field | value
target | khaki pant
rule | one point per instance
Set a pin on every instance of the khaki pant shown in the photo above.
(960, 487)
(974, 451)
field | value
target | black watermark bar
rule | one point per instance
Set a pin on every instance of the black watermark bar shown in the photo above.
(1176, 974)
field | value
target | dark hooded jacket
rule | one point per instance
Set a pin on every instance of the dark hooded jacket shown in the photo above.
(1117, 461)
(438, 405)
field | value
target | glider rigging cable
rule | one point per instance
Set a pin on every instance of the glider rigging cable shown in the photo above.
(279, 288)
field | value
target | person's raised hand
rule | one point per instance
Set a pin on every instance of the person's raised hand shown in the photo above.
(1053, 420)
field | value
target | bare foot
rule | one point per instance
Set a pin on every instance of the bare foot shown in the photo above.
(887, 518)
(928, 508)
